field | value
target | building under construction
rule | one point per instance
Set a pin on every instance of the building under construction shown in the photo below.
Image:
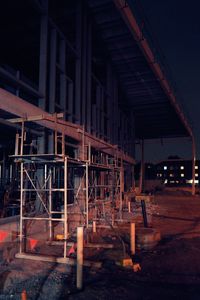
(80, 86)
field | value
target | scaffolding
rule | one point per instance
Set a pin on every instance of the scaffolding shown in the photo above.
(66, 192)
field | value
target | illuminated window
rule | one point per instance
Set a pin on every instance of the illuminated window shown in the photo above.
(171, 175)
(182, 175)
(196, 174)
(165, 167)
(196, 167)
(165, 181)
(182, 167)
(190, 181)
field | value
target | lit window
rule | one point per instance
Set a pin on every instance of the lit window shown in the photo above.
(171, 175)
(182, 168)
(165, 181)
(196, 174)
(196, 167)
(165, 167)
(191, 181)
(182, 175)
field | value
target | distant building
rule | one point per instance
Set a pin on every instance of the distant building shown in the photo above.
(150, 171)
(177, 171)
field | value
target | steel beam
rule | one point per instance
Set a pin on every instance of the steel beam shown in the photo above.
(131, 22)
(21, 108)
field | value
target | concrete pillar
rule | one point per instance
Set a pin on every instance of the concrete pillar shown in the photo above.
(78, 62)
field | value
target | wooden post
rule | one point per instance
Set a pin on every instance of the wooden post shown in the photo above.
(94, 228)
(129, 206)
(132, 242)
(79, 268)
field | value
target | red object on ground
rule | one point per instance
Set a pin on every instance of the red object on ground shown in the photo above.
(3, 235)
(72, 250)
(33, 243)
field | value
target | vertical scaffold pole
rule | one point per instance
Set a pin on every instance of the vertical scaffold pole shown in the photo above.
(87, 194)
(21, 208)
(50, 204)
(65, 207)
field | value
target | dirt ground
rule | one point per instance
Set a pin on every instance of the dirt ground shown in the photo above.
(169, 271)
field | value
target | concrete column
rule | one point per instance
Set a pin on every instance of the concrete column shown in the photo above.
(89, 76)
(52, 83)
(63, 80)
(78, 62)
(43, 72)
(70, 101)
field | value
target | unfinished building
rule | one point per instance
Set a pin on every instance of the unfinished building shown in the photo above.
(79, 86)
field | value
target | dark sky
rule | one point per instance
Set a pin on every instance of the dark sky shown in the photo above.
(175, 26)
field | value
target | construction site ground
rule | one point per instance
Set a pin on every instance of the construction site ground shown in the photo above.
(171, 270)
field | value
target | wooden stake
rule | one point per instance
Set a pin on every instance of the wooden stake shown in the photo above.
(79, 268)
(129, 206)
(132, 239)
(94, 228)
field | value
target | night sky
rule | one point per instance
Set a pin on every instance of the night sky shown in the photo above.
(175, 27)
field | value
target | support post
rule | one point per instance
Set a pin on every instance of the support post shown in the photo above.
(129, 206)
(132, 233)
(121, 189)
(65, 208)
(87, 194)
(144, 213)
(94, 229)
(21, 207)
(141, 184)
(193, 165)
(50, 204)
(79, 268)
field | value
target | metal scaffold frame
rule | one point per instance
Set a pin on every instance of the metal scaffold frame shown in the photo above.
(38, 178)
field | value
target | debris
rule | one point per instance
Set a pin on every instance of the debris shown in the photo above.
(136, 267)
(59, 237)
(126, 262)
